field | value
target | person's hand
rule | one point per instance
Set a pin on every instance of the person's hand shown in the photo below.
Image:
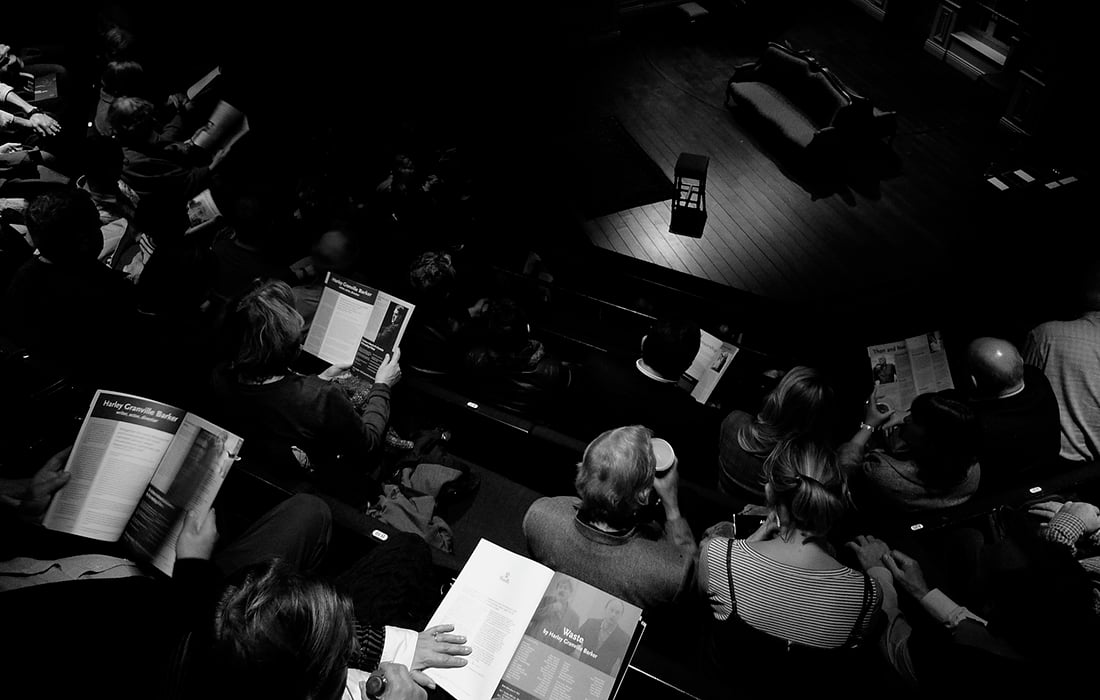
(437, 648)
(389, 372)
(767, 530)
(402, 684)
(667, 486)
(1085, 512)
(874, 415)
(31, 497)
(10, 148)
(869, 550)
(45, 125)
(478, 308)
(334, 372)
(907, 572)
(179, 102)
(197, 539)
(896, 418)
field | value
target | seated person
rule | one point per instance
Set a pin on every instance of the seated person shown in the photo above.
(646, 392)
(155, 172)
(276, 410)
(437, 336)
(510, 368)
(64, 296)
(232, 618)
(1018, 412)
(607, 537)
(799, 405)
(928, 459)
(336, 251)
(781, 590)
(1034, 593)
(246, 254)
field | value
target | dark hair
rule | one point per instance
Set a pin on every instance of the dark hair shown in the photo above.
(124, 78)
(280, 634)
(615, 475)
(952, 435)
(64, 225)
(799, 405)
(505, 325)
(265, 331)
(804, 477)
(119, 43)
(132, 119)
(432, 277)
(670, 346)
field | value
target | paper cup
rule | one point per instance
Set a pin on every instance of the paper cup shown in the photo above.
(666, 456)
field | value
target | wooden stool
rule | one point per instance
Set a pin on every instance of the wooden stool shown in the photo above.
(689, 204)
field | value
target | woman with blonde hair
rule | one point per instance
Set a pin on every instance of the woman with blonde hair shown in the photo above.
(781, 590)
(798, 406)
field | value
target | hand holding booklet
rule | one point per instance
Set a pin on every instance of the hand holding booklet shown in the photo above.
(356, 325)
(905, 369)
(136, 469)
(535, 634)
(709, 366)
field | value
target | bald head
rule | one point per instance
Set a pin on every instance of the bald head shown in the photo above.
(336, 250)
(996, 366)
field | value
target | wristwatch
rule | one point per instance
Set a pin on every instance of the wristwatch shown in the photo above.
(33, 111)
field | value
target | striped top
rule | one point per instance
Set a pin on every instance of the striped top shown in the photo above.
(815, 608)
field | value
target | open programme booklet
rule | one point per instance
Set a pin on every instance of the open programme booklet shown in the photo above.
(535, 634)
(905, 369)
(708, 367)
(356, 325)
(136, 468)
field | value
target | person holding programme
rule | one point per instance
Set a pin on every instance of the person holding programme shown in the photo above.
(928, 459)
(279, 411)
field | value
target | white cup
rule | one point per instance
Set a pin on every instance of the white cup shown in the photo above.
(666, 456)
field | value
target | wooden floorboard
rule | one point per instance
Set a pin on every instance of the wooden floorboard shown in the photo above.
(766, 233)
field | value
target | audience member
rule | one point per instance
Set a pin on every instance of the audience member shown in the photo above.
(337, 251)
(510, 368)
(929, 462)
(276, 409)
(247, 254)
(438, 334)
(799, 405)
(160, 176)
(1068, 353)
(1017, 410)
(62, 304)
(605, 537)
(1036, 621)
(206, 635)
(646, 392)
(781, 588)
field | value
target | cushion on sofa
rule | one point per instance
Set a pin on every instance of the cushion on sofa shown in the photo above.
(781, 68)
(772, 105)
(819, 99)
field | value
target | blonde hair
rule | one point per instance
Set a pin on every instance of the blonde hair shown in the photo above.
(797, 406)
(804, 478)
